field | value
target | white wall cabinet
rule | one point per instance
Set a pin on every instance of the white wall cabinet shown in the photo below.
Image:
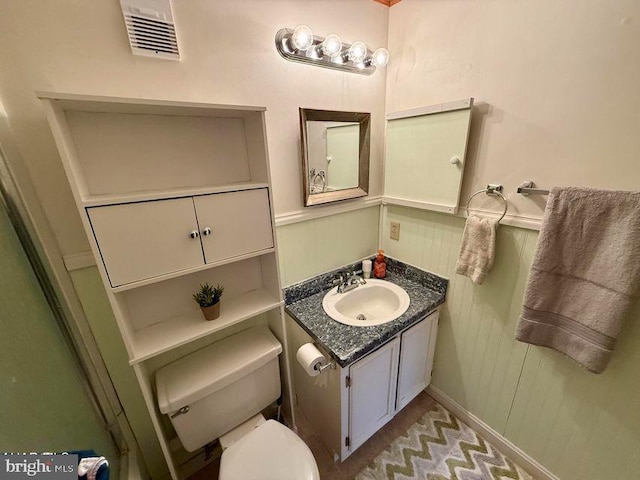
(351, 404)
(239, 223)
(143, 240)
(172, 195)
(425, 156)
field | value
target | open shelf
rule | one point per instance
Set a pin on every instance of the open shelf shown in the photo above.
(175, 332)
(111, 199)
(199, 268)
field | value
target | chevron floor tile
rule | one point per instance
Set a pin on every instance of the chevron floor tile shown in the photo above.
(422, 442)
(440, 447)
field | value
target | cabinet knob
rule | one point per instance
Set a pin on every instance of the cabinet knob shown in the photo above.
(206, 231)
(194, 234)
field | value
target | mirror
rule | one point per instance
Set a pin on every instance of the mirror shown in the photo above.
(335, 155)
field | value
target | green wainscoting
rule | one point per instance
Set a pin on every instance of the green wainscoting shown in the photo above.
(315, 246)
(44, 405)
(579, 425)
(103, 324)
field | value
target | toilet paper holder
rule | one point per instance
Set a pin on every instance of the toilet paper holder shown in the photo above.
(321, 368)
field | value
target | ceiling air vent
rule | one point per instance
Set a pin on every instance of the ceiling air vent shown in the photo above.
(150, 28)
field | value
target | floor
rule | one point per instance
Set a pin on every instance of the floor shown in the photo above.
(361, 458)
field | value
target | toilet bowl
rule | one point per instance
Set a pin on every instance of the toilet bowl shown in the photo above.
(218, 392)
(269, 452)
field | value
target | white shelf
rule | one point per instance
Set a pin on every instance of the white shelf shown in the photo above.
(111, 199)
(164, 336)
(419, 204)
(98, 103)
(199, 268)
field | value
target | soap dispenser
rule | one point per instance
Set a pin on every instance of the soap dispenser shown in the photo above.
(380, 265)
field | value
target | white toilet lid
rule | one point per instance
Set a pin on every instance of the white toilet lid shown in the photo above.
(270, 452)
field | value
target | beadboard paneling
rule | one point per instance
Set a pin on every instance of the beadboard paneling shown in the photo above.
(308, 248)
(577, 424)
(95, 304)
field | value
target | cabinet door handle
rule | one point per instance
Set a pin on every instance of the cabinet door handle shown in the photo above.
(206, 231)
(194, 234)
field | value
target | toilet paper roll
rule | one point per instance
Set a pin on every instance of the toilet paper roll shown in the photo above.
(309, 357)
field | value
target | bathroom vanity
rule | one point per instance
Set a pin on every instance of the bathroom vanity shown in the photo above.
(376, 370)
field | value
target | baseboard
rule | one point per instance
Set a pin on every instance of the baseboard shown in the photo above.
(535, 469)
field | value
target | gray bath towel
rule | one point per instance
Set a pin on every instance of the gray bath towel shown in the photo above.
(477, 251)
(585, 274)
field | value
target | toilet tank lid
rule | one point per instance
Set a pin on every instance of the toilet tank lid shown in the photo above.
(212, 368)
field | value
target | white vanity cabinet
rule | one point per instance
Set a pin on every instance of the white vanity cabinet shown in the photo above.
(172, 195)
(148, 239)
(351, 404)
(416, 360)
(372, 392)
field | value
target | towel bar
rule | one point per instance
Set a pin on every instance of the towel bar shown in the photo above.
(494, 190)
(526, 188)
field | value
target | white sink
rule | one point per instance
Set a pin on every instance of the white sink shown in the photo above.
(375, 303)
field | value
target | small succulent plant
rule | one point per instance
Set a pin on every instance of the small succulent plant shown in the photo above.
(207, 295)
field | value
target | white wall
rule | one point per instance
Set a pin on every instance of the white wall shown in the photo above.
(555, 84)
(228, 56)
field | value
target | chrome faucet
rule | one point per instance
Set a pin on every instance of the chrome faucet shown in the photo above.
(348, 281)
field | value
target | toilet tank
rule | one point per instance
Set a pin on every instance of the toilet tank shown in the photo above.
(215, 389)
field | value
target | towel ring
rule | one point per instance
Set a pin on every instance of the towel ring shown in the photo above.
(491, 190)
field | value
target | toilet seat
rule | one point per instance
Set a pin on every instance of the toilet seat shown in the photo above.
(270, 452)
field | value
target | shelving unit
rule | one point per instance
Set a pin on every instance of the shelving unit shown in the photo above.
(164, 336)
(115, 199)
(172, 195)
(180, 273)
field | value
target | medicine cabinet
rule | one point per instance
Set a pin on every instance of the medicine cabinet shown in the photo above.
(425, 156)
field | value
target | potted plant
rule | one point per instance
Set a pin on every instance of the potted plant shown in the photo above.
(208, 298)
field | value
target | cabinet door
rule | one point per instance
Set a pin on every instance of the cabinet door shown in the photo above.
(416, 359)
(240, 222)
(147, 239)
(372, 393)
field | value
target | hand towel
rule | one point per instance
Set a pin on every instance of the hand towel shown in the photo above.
(477, 252)
(91, 466)
(585, 274)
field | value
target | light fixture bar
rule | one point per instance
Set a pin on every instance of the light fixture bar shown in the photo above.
(313, 55)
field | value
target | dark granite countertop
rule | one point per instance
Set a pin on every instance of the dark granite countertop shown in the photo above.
(346, 343)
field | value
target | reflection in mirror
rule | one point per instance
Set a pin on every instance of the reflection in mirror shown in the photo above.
(335, 155)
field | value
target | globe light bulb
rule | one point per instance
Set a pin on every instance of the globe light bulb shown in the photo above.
(380, 57)
(332, 46)
(357, 52)
(302, 37)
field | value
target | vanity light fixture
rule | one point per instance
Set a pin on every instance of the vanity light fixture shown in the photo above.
(301, 38)
(330, 46)
(357, 52)
(300, 45)
(380, 57)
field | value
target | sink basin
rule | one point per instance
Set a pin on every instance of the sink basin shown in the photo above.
(375, 303)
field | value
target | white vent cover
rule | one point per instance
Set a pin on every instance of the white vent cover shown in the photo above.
(150, 28)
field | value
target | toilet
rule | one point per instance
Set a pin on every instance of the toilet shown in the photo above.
(218, 392)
